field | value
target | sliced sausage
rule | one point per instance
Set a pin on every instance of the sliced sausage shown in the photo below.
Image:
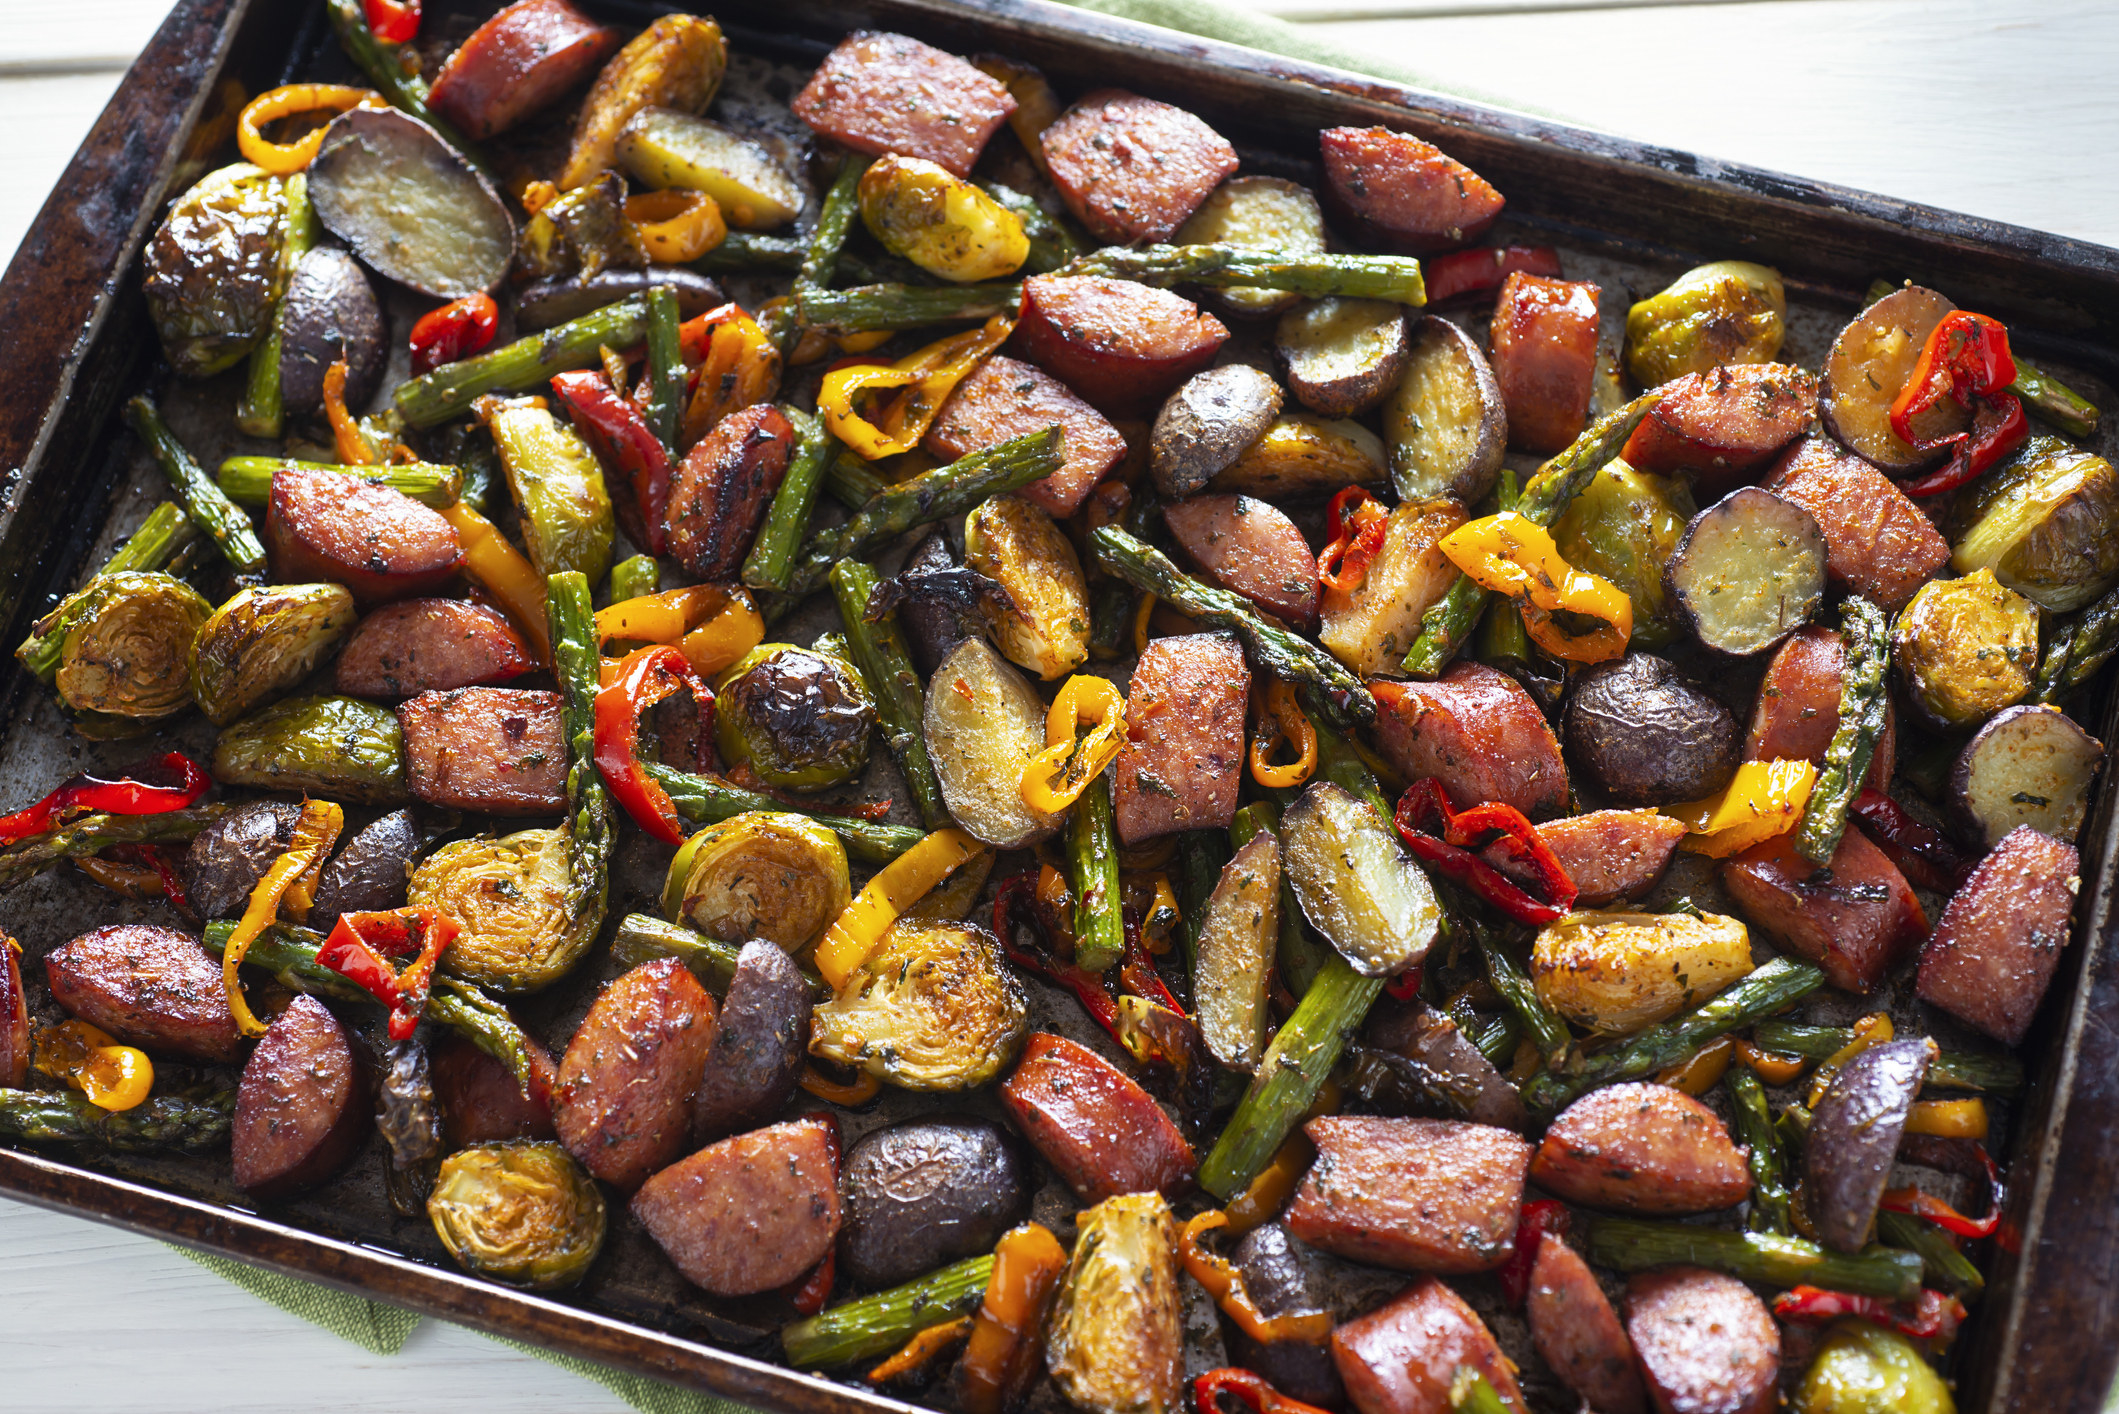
(151, 987)
(1575, 1329)
(1004, 398)
(723, 488)
(429, 645)
(759, 1045)
(14, 1018)
(1402, 1357)
(1093, 1124)
(1123, 346)
(1798, 706)
(1609, 854)
(381, 544)
(1706, 1344)
(499, 750)
(480, 1101)
(1479, 733)
(1418, 1195)
(1282, 1279)
(371, 872)
(1877, 542)
(1856, 920)
(1992, 955)
(926, 1192)
(1251, 547)
(750, 1213)
(1396, 189)
(1182, 760)
(1723, 424)
(1422, 1034)
(1545, 358)
(303, 1105)
(879, 93)
(226, 859)
(1642, 1148)
(624, 1100)
(1132, 169)
(521, 60)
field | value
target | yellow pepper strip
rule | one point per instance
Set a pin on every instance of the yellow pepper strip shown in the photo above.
(1703, 1071)
(1763, 799)
(1222, 1281)
(1770, 1066)
(1057, 776)
(852, 1094)
(1513, 555)
(900, 884)
(1948, 1119)
(500, 569)
(314, 834)
(676, 226)
(285, 159)
(1283, 720)
(1872, 1030)
(346, 436)
(1028, 1263)
(711, 624)
(1268, 1193)
(925, 379)
(113, 1077)
(1148, 892)
(921, 1350)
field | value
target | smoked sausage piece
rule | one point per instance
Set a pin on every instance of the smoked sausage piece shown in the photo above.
(1132, 169)
(429, 645)
(1249, 546)
(151, 987)
(623, 1105)
(1182, 760)
(1401, 1357)
(1121, 345)
(381, 544)
(1575, 1329)
(1993, 953)
(1478, 732)
(498, 750)
(1706, 1344)
(1398, 190)
(750, 1213)
(1855, 919)
(879, 93)
(1418, 1195)
(1094, 1124)
(303, 1106)
(1642, 1148)
(1723, 425)
(1544, 357)
(1878, 544)
(722, 489)
(1004, 398)
(521, 60)
(480, 1101)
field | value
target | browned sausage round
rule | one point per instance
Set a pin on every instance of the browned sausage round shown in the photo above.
(14, 1017)
(1479, 733)
(1121, 345)
(1545, 358)
(1402, 1357)
(723, 487)
(1578, 1333)
(480, 1101)
(1401, 191)
(1004, 398)
(151, 987)
(879, 93)
(751, 1213)
(1723, 424)
(523, 58)
(624, 1101)
(1251, 547)
(1706, 1344)
(379, 543)
(494, 749)
(303, 1107)
(1132, 169)
(1642, 1148)
(759, 1045)
(429, 645)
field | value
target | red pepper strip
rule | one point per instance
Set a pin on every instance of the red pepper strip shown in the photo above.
(1440, 835)
(394, 21)
(125, 796)
(1355, 524)
(159, 858)
(1923, 855)
(643, 677)
(815, 1289)
(355, 951)
(1250, 1390)
(1405, 986)
(458, 329)
(1936, 1211)
(1998, 425)
(1137, 972)
(618, 434)
(1015, 894)
(1966, 357)
(1540, 1216)
(1464, 273)
(1934, 1316)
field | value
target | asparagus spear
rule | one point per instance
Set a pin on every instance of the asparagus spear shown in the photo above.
(704, 800)
(879, 651)
(1754, 1126)
(591, 826)
(851, 482)
(92, 834)
(1862, 703)
(1469, 1393)
(633, 577)
(2041, 392)
(1445, 627)
(1779, 983)
(866, 307)
(835, 218)
(665, 370)
(745, 252)
(1274, 649)
(1495, 1036)
(772, 554)
(642, 937)
(856, 1330)
(1544, 1026)
(1630, 1244)
(248, 480)
(2078, 650)
(1951, 1070)
(450, 389)
(164, 543)
(1300, 956)
(212, 512)
(260, 413)
(1340, 761)
(1092, 866)
(380, 62)
(160, 1124)
(1942, 1264)
(1221, 267)
(1052, 245)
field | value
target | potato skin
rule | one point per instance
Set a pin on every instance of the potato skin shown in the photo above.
(1994, 950)
(1869, 364)
(1207, 423)
(1706, 1344)
(1416, 1195)
(226, 859)
(328, 313)
(761, 1040)
(1644, 734)
(1343, 356)
(1479, 733)
(1853, 1139)
(1642, 1148)
(1446, 420)
(1621, 971)
(926, 1192)
(1855, 921)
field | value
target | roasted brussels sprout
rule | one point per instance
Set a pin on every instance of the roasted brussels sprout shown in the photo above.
(340, 747)
(1046, 626)
(1865, 1369)
(939, 222)
(579, 235)
(762, 874)
(1730, 311)
(2047, 523)
(214, 271)
(798, 718)
(513, 897)
(1966, 648)
(524, 1214)
(124, 654)
(667, 149)
(1116, 1341)
(558, 484)
(263, 642)
(1625, 526)
(935, 1007)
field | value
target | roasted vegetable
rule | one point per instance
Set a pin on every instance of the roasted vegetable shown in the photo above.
(1301, 454)
(1355, 883)
(2027, 766)
(1045, 627)
(580, 234)
(1239, 936)
(263, 642)
(1965, 649)
(1618, 971)
(1731, 311)
(1749, 570)
(877, 1324)
(878, 649)
(983, 723)
(1647, 736)
(1853, 1136)
(761, 874)
(1342, 356)
(1865, 1369)
(670, 149)
(1206, 425)
(676, 62)
(558, 484)
(1116, 1344)
(1624, 526)
(340, 747)
(523, 1214)
(1871, 362)
(1369, 623)
(511, 895)
(1258, 213)
(939, 222)
(2046, 522)
(410, 205)
(934, 1007)
(1445, 421)
(1632, 1244)
(926, 1192)
(125, 641)
(214, 271)
(328, 313)
(799, 719)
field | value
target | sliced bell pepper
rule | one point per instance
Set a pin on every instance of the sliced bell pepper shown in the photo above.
(1221, 1279)
(112, 1076)
(1355, 524)
(1249, 1389)
(1870, 1031)
(1072, 758)
(1763, 799)
(676, 227)
(393, 21)
(1007, 1332)
(457, 330)
(1967, 360)
(915, 1355)
(617, 432)
(922, 382)
(353, 446)
(904, 881)
(1934, 1316)
(711, 624)
(1283, 720)
(1998, 426)
(1462, 274)
(1441, 835)
(645, 676)
(502, 571)
(1948, 1119)
(1264, 1197)
(736, 367)
(1513, 555)
(315, 831)
(815, 1289)
(359, 943)
(1539, 1216)
(283, 159)
(125, 796)
(1932, 1209)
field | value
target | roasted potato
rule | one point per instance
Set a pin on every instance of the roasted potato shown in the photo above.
(668, 149)
(1343, 356)
(1237, 934)
(1624, 526)
(1257, 213)
(939, 222)
(1355, 882)
(1207, 424)
(2027, 766)
(1853, 1138)
(1045, 629)
(329, 313)
(2046, 522)
(1301, 454)
(1727, 312)
(1868, 367)
(1445, 422)
(1646, 736)
(926, 1192)
(984, 722)
(410, 206)
(1617, 972)
(1749, 570)
(1965, 649)
(676, 62)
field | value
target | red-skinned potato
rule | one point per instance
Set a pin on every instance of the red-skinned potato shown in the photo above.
(1641, 1148)
(1093, 1124)
(1993, 952)
(380, 543)
(1005, 398)
(1479, 733)
(1855, 920)
(1183, 757)
(429, 645)
(1868, 367)
(1706, 1344)
(2029, 765)
(1723, 424)
(1120, 345)
(1544, 357)
(1206, 425)
(1249, 546)
(879, 93)
(1404, 192)
(1877, 542)
(1403, 1357)
(519, 61)
(1852, 1139)
(1132, 169)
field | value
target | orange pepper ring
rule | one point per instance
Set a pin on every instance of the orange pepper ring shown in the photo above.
(676, 226)
(283, 159)
(1222, 1281)
(1283, 720)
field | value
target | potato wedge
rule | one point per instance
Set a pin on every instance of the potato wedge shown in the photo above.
(1207, 424)
(410, 205)
(1446, 424)
(1355, 882)
(676, 62)
(1370, 625)
(1237, 937)
(2028, 766)
(666, 148)
(1870, 362)
(1343, 356)
(1617, 972)
(1302, 454)
(983, 724)
(1257, 213)
(939, 222)
(1018, 546)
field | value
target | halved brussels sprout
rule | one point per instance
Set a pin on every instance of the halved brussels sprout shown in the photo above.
(798, 718)
(263, 642)
(525, 1214)
(935, 1007)
(214, 272)
(1018, 546)
(1730, 311)
(762, 874)
(513, 896)
(940, 222)
(1865, 1369)
(1966, 648)
(339, 747)
(558, 484)
(1625, 525)
(2047, 523)
(125, 652)
(1116, 1341)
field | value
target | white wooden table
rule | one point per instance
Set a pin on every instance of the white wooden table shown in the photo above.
(1999, 108)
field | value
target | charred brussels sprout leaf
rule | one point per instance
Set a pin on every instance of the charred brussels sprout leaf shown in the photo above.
(1625, 526)
(524, 1214)
(263, 642)
(762, 874)
(1966, 648)
(513, 897)
(2047, 523)
(124, 651)
(1728, 312)
(798, 718)
(340, 747)
(213, 270)
(935, 1007)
